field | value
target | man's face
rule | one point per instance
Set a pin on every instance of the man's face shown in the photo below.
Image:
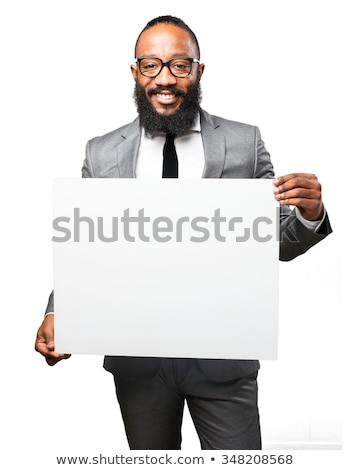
(166, 92)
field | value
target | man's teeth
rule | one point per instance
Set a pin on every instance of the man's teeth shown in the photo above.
(165, 96)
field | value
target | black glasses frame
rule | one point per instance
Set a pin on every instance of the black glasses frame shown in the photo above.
(167, 64)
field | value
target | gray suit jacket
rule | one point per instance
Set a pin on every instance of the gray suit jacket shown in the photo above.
(232, 150)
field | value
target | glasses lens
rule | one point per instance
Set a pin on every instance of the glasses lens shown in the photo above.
(180, 67)
(150, 67)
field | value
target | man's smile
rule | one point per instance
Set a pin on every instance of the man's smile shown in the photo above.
(165, 97)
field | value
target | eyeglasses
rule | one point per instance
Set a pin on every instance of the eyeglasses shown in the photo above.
(152, 66)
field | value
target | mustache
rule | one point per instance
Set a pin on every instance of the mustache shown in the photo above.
(159, 89)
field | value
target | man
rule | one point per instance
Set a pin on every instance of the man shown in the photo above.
(174, 137)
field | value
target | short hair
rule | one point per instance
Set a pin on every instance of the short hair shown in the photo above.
(168, 19)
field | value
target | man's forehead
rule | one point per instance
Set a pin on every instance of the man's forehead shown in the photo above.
(165, 39)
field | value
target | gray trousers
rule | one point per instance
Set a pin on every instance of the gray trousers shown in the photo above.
(225, 414)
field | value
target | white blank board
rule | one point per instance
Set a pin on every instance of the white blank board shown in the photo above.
(166, 268)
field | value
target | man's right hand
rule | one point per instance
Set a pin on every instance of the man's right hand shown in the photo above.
(44, 343)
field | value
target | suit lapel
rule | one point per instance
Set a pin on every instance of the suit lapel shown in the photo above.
(127, 151)
(214, 146)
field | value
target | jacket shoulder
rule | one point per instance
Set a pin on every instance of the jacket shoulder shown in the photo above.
(245, 153)
(113, 137)
(101, 152)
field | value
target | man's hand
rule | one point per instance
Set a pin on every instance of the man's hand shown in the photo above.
(44, 343)
(301, 190)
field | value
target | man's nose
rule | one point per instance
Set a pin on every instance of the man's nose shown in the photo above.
(165, 78)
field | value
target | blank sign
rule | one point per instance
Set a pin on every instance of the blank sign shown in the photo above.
(166, 268)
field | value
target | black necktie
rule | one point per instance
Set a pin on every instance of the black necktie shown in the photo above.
(170, 160)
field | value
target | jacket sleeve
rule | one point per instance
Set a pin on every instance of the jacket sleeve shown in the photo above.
(87, 169)
(50, 305)
(295, 239)
(263, 165)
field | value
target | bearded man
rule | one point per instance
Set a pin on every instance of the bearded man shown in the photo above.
(173, 137)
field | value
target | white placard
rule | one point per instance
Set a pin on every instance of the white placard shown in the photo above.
(166, 268)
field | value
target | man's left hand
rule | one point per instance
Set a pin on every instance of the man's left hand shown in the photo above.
(302, 190)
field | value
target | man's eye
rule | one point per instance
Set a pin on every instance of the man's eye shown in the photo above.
(181, 65)
(149, 66)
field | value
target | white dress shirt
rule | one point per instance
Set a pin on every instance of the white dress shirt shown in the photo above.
(190, 153)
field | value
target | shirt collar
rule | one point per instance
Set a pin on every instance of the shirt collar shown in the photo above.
(197, 124)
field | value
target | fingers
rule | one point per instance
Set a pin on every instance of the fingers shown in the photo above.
(302, 190)
(51, 361)
(295, 176)
(45, 344)
(306, 183)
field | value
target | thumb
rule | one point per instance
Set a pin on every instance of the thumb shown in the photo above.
(50, 343)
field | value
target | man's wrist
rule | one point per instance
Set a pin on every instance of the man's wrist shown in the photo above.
(310, 224)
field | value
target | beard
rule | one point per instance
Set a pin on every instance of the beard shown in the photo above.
(180, 122)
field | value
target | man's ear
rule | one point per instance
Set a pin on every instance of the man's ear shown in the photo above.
(134, 70)
(200, 71)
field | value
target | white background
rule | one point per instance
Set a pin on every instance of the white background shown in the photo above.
(281, 65)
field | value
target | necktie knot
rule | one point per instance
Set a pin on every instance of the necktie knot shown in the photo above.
(170, 159)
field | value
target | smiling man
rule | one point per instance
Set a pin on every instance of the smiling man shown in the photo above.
(173, 137)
